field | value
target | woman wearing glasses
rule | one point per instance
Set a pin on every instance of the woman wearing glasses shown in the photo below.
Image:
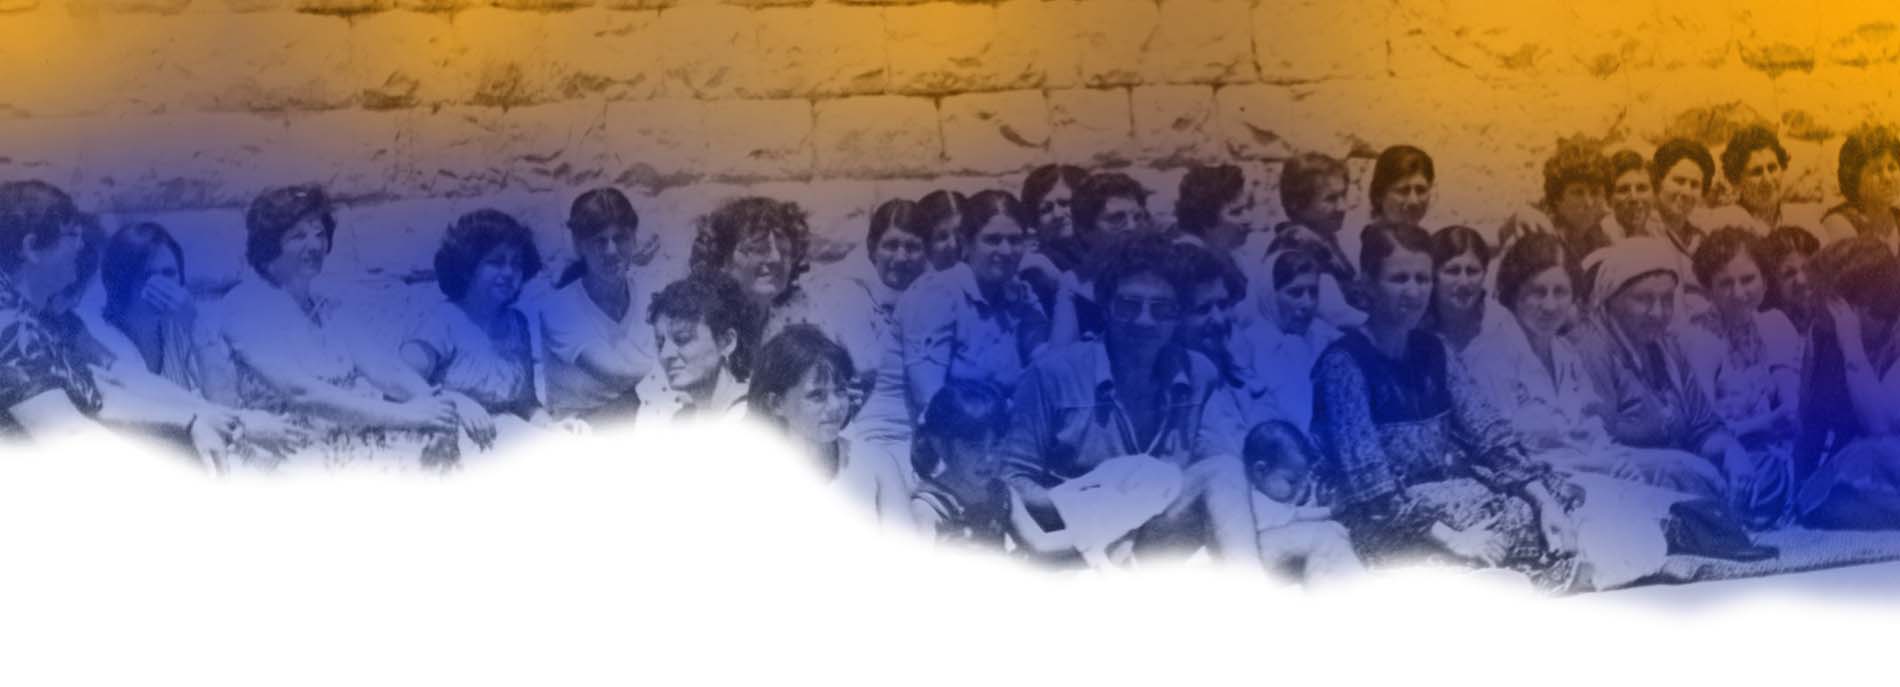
(975, 322)
(764, 244)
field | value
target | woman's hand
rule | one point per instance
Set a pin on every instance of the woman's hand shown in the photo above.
(170, 298)
(427, 414)
(212, 434)
(270, 430)
(1846, 324)
(474, 419)
(1479, 543)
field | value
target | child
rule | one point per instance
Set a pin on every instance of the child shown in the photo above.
(959, 497)
(1296, 534)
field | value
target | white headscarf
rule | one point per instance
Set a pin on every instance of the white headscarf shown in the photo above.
(1625, 261)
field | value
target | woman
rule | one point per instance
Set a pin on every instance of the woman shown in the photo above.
(1461, 311)
(593, 327)
(937, 215)
(475, 348)
(1682, 171)
(1575, 179)
(860, 310)
(1533, 369)
(1748, 359)
(151, 340)
(1641, 370)
(1869, 174)
(1632, 195)
(762, 244)
(1756, 165)
(1850, 431)
(1423, 466)
(1215, 208)
(704, 332)
(1401, 187)
(974, 322)
(1313, 194)
(804, 388)
(297, 353)
(1049, 193)
(1784, 257)
(1285, 341)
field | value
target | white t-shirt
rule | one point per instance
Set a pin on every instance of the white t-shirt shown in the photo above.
(570, 324)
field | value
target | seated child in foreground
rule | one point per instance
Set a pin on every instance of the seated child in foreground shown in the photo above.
(959, 496)
(1297, 535)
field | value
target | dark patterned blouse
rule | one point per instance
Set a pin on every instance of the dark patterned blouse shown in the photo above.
(34, 360)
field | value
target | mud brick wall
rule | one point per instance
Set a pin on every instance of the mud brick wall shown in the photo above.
(413, 110)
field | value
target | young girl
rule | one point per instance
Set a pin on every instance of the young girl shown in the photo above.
(1296, 533)
(803, 387)
(960, 497)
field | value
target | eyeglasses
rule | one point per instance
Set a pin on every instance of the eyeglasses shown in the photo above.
(1129, 309)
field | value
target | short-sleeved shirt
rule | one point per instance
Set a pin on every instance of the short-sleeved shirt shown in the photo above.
(496, 372)
(264, 323)
(572, 323)
(1066, 418)
(33, 361)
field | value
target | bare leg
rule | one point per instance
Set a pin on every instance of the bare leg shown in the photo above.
(1214, 508)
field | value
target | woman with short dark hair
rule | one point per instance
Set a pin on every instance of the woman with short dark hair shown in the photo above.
(803, 387)
(1869, 174)
(297, 352)
(1401, 186)
(1214, 208)
(859, 310)
(762, 244)
(594, 327)
(705, 331)
(1784, 257)
(1850, 426)
(1681, 170)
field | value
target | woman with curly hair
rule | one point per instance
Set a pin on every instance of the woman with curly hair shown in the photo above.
(1215, 208)
(1870, 183)
(597, 344)
(704, 332)
(762, 244)
(298, 352)
(1575, 180)
(475, 348)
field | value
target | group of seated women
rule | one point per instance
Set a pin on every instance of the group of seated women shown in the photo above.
(1627, 366)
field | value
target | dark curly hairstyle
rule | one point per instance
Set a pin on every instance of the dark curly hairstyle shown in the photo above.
(32, 209)
(1576, 162)
(1775, 248)
(1861, 148)
(122, 267)
(273, 214)
(1530, 256)
(1042, 180)
(713, 299)
(1744, 143)
(1861, 271)
(591, 213)
(470, 239)
(737, 220)
(1204, 266)
(1301, 178)
(1095, 193)
(1676, 150)
(979, 209)
(787, 358)
(895, 214)
(1394, 165)
(1624, 162)
(1205, 190)
(1721, 248)
(1138, 254)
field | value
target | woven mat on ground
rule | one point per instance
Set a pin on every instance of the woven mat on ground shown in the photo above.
(1801, 550)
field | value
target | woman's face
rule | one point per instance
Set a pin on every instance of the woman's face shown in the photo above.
(688, 351)
(762, 263)
(1326, 211)
(1545, 302)
(304, 250)
(498, 277)
(1631, 198)
(1121, 214)
(1054, 217)
(1681, 190)
(1644, 308)
(1880, 180)
(899, 258)
(161, 266)
(1234, 223)
(1209, 317)
(1461, 283)
(1145, 309)
(1791, 277)
(1407, 201)
(1402, 288)
(609, 252)
(997, 250)
(1737, 288)
(1580, 206)
(945, 245)
(1760, 184)
(1296, 301)
(817, 407)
